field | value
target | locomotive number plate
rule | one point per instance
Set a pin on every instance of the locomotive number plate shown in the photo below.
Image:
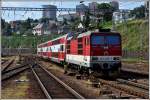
(105, 58)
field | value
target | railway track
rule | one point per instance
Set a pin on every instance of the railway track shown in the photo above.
(134, 73)
(133, 84)
(142, 81)
(3, 61)
(12, 72)
(14, 68)
(128, 87)
(135, 89)
(6, 64)
(52, 87)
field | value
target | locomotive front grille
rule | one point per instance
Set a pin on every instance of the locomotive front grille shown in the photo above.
(105, 66)
(96, 67)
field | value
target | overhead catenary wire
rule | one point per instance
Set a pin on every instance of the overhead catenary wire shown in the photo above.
(3, 13)
(25, 13)
(14, 14)
(8, 14)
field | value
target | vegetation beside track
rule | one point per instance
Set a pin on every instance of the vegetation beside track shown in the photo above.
(133, 33)
(17, 41)
(134, 60)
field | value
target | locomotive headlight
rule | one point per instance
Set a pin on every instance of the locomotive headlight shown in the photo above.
(94, 58)
(116, 58)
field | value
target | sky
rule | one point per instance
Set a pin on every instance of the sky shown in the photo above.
(22, 15)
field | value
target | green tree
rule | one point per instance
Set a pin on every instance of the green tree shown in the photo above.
(75, 23)
(86, 21)
(44, 20)
(7, 31)
(65, 21)
(22, 30)
(28, 32)
(6, 28)
(2, 23)
(36, 21)
(107, 16)
(138, 12)
(27, 24)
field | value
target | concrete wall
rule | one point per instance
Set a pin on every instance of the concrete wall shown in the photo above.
(17, 51)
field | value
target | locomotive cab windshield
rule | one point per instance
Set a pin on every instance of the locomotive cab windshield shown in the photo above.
(109, 40)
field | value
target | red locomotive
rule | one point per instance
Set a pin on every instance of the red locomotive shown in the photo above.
(98, 52)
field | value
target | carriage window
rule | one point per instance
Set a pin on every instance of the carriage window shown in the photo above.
(80, 52)
(80, 46)
(113, 40)
(68, 47)
(50, 49)
(97, 39)
(68, 42)
(79, 39)
(41, 49)
(61, 48)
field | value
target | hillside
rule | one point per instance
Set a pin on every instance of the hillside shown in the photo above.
(133, 32)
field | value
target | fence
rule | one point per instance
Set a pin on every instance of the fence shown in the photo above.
(17, 51)
(135, 54)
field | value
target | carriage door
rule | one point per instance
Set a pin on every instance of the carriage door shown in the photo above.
(86, 49)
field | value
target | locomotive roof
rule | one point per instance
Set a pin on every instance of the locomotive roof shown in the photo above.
(85, 34)
(88, 33)
(54, 39)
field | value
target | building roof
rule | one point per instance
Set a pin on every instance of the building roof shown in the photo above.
(40, 25)
(71, 14)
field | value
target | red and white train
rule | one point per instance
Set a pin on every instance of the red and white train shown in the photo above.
(98, 52)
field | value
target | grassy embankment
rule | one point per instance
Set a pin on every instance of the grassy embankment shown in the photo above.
(135, 37)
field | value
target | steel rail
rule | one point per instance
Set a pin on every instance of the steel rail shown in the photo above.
(77, 95)
(13, 72)
(3, 61)
(7, 71)
(7, 65)
(142, 94)
(133, 84)
(41, 85)
(140, 73)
